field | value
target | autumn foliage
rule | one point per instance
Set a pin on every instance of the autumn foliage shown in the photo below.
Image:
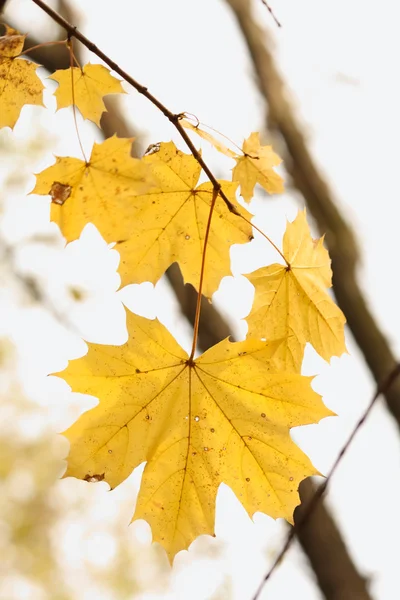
(222, 417)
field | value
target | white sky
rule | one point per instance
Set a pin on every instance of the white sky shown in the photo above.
(341, 59)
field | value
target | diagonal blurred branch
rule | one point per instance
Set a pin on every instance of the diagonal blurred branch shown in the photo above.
(320, 538)
(321, 201)
(322, 204)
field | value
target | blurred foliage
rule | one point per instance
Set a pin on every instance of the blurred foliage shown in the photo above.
(60, 539)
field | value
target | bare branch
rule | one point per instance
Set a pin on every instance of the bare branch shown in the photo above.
(271, 12)
(174, 118)
(381, 389)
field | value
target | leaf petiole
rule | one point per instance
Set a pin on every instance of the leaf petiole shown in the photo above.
(203, 262)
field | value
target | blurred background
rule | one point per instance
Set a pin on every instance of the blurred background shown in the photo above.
(324, 90)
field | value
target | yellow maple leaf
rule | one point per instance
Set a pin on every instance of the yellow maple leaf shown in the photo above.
(96, 191)
(256, 166)
(169, 222)
(224, 417)
(91, 83)
(291, 303)
(19, 84)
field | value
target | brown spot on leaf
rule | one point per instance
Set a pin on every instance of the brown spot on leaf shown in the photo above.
(94, 478)
(60, 192)
(152, 149)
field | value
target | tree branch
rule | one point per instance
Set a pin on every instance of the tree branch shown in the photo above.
(174, 118)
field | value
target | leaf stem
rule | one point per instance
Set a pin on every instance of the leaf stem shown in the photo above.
(267, 238)
(200, 124)
(203, 263)
(71, 60)
(32, 48)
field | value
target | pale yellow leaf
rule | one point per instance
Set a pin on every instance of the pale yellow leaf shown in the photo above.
(257, 166)
(292, 303)
(90, 85)
(168, 224)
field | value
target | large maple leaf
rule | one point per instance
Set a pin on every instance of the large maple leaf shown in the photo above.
(224, 417)
(94, 192)
(19, 84)
(91, 83)
(170, 222)
(291, 302)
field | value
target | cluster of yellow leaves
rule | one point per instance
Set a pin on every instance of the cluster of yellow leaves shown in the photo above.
(20, 85)
(226, 416)
(163, 225)
(254, 165)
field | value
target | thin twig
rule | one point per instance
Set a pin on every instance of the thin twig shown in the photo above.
(34, 291)
(268, 240)
(381, 389)
(45, 45)
(72, 59)
(172, 117)
(202, 269)
(271, 12)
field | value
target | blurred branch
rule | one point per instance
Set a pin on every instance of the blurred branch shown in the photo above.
(322, 204)
(30, 286)
(320, 539)
(321, 201)
(313, 501)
